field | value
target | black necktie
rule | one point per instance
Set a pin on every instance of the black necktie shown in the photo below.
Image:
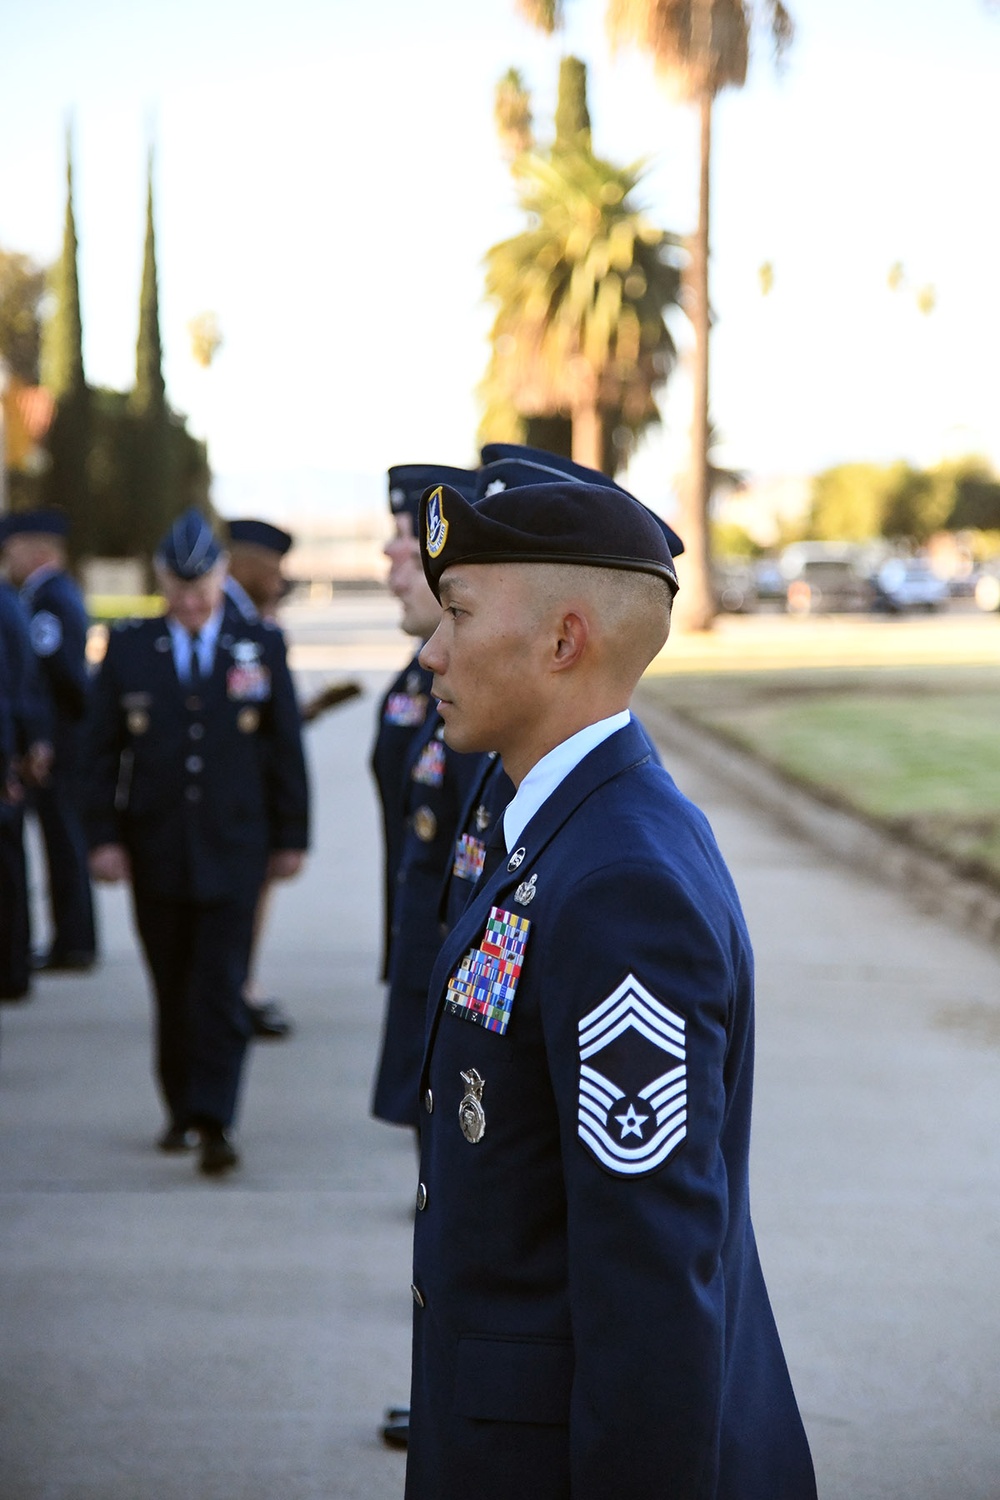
(194, 665)
(496, 852)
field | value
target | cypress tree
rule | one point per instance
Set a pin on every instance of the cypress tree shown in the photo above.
(66, 484)
(151, 484)
(572, 114)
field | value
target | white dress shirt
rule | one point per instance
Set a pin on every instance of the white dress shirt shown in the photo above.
(181, 641)
(553, 768)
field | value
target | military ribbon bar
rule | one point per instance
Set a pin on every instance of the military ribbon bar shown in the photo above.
(482, 988)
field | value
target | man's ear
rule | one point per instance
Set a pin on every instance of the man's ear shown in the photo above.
(572, 636)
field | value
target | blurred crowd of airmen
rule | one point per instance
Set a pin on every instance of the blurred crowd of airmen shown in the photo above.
(180, 769)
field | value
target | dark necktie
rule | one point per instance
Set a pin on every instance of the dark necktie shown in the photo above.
(496, 852)
(194, 665)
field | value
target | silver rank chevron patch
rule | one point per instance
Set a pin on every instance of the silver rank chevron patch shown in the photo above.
(632, 1108)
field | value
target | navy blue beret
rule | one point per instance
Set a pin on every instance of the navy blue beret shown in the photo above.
(189, 548)
(34, 523)
(407, 483)
(524, 465)
(261, 534)
(563, 522)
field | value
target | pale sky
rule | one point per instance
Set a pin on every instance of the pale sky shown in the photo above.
(328, 179)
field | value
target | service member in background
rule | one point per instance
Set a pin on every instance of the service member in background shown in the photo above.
(421, 787)
(28, 731)
(590, 1316)
(34, 554)
(256, 585)
(197, 793)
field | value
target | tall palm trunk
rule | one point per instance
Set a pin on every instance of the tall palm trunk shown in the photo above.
(696, 600)
(588, 436)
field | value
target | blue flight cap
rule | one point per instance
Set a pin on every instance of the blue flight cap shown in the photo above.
(407, 483)
(564, 522)
(260, 534)
(34, 523)
(530, 460)
(189, 548)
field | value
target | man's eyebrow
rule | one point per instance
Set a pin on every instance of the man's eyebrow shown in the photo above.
(451, 586)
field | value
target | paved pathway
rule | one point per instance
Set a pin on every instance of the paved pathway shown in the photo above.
(166, 1337)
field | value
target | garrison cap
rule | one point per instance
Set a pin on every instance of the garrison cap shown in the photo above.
(407, 483)
(563, 522)
(34, 523)
(189, 548)
(261, 534)
(508, 465)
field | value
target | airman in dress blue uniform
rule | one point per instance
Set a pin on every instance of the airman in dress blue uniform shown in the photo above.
(422, 787)
(35, 557)
(590, 1320)
(27, 730)
(508, 466)
(197, 792)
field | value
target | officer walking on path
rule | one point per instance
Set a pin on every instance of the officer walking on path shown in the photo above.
(590, 1313)
(34, 552)
(197, 792)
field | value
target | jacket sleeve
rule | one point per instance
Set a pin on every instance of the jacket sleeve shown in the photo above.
(104, 743)
(646, 1182)
(287, 777)
(61, 650)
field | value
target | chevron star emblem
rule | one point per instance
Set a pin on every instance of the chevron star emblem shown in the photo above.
(633, 1081)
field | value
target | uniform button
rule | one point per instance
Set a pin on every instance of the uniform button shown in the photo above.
(193, 793)
(193, 703)
(428, 1101)
(195, 731)
(418, 1295)
(194, 764)
(421, 1197)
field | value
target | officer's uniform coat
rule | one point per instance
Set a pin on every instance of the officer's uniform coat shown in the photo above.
(402, 714)
(591, 1318)
(26, 720)
(58, 633)
(435, 783)
(200, 784)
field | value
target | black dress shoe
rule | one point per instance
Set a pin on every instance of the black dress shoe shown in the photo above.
(218, 1154)
(176, 1138)
(396, 1434)
(269, 1020)
(397, 1414)
(75, 961)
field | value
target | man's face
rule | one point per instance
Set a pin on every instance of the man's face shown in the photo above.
(192, 602)
(25, 552)
(258, 570)
(488, 655)
(421, 611)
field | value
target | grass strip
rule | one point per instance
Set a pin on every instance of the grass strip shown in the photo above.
(913, 749)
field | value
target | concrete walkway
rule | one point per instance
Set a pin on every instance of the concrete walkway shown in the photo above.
(167, 1338)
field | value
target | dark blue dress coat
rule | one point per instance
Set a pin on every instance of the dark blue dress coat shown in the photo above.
(436, 783)
(591, 1320)
(200, 786)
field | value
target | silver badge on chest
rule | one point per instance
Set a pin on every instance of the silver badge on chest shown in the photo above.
(525, 892)
(471, 1115)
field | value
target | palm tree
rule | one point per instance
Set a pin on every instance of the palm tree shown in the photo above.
(699, 47)
(581, 298)
(579, 341)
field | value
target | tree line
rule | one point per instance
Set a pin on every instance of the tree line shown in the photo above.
(120, 464)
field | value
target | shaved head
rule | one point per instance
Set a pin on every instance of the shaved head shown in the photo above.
(629, 612)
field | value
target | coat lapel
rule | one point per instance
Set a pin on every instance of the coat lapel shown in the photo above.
(619, 752)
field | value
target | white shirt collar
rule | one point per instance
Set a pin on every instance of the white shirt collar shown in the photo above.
(553, 768)
(207, 637)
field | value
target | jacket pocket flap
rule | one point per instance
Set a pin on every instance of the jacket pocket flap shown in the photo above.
(514, 1380)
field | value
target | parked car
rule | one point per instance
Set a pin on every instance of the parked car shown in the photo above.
(735, 587)
(987, 593)
(904, 583)
(823, 577)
